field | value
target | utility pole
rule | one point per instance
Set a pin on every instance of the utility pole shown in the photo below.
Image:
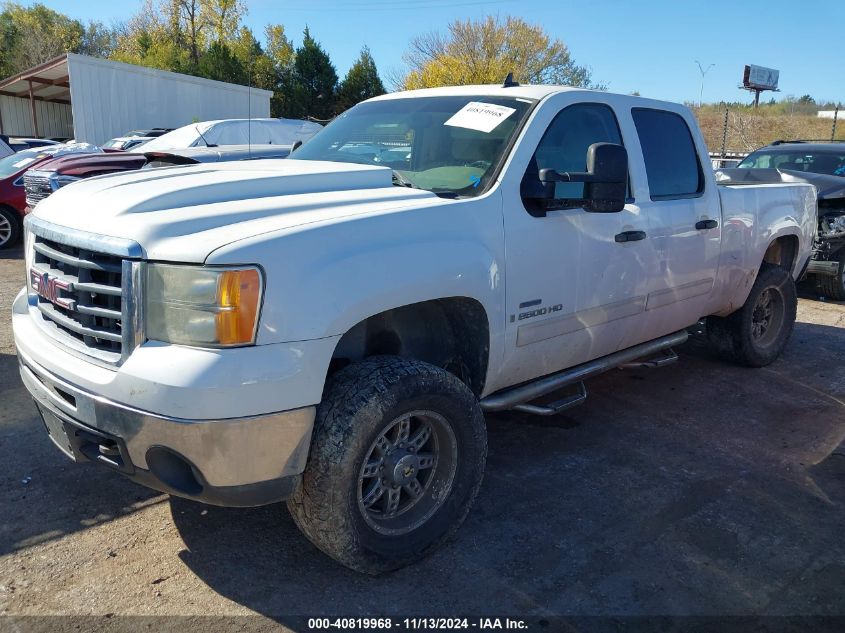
(703, 72)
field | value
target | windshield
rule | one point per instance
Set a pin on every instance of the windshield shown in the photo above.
(830, 163)
(441, 144)
(16, 162)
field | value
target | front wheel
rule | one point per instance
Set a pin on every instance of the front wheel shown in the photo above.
(10, 227)
(396, 461)
(756, 334)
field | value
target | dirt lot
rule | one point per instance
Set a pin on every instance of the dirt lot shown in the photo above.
(700, 489)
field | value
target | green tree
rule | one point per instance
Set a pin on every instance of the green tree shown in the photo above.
(198, 37)
(154, 37)
(314, 82)
(361, 82)
(486, 50)
(223, 17)
(259, 69)
(280, 51)
(219, 63)
(279, 47)
(192, 26)
(32, 35)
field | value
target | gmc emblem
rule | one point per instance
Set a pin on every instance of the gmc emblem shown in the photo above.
(48, 288)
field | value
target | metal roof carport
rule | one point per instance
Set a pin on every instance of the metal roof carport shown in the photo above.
(93, 100)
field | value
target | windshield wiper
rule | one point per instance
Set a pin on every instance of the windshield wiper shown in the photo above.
(400, 181)
(202, 136)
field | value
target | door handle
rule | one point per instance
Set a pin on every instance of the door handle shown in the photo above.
(706, 224)
(629, 236)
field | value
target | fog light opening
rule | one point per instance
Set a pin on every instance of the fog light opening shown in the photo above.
(173, 470)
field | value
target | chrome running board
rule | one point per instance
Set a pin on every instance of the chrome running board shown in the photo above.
(516, 398)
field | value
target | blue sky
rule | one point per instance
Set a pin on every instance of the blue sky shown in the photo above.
(649, 46)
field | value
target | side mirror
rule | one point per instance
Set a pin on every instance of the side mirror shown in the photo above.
(608, 163)
(606, 179)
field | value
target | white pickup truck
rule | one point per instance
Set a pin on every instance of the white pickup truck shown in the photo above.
(330, 329)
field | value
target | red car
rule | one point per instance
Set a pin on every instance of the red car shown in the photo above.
(12, 196)
(12, 192)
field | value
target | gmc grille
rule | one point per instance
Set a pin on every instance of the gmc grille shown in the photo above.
(79, 295)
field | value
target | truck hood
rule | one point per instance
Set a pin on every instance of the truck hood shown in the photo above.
(184, 213)
(85, 165)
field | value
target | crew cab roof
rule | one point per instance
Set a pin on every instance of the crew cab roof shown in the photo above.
(529, 91)
(524, 91)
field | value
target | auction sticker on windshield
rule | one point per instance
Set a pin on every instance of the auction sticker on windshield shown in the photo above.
(484, 117)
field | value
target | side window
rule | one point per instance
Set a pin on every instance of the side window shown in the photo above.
(564, 146)
(671, 160)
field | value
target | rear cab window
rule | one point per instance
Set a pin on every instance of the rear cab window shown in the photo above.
(669, 153)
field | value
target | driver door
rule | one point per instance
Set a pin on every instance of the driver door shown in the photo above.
(574, 291)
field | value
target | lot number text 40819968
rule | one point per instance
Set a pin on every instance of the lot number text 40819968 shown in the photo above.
(413, 624)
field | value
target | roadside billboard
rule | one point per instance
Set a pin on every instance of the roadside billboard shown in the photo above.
(760, 78)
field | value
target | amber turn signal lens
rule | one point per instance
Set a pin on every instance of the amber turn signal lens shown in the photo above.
(239, 296)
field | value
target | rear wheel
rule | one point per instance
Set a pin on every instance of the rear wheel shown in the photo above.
(396, 461)
(756, 334)
(10, 227)
(833, 286)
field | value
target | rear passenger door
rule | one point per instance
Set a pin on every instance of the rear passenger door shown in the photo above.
(684, 215)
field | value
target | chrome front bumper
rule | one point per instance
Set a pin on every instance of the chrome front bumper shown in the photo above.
(235, 462)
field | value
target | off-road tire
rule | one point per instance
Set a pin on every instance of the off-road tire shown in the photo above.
(833, 286)
(10, 220)
(359, 402)
(732, 336)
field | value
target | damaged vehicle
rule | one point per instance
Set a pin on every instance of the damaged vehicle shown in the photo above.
(12, 193)
(821, 164)
(331, 329)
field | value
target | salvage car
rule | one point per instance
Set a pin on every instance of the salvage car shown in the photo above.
(19, 144)
(12, 194)
(125, 143)
(209, 134)
(222, 153)
(330, 331)
(12, 198)
(821, 164)
(50, 176)
(153, 132)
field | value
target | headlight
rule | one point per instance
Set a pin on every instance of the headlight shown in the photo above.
(58, 181)
(195, 305)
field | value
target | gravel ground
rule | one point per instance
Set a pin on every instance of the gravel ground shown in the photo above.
(700, 489)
